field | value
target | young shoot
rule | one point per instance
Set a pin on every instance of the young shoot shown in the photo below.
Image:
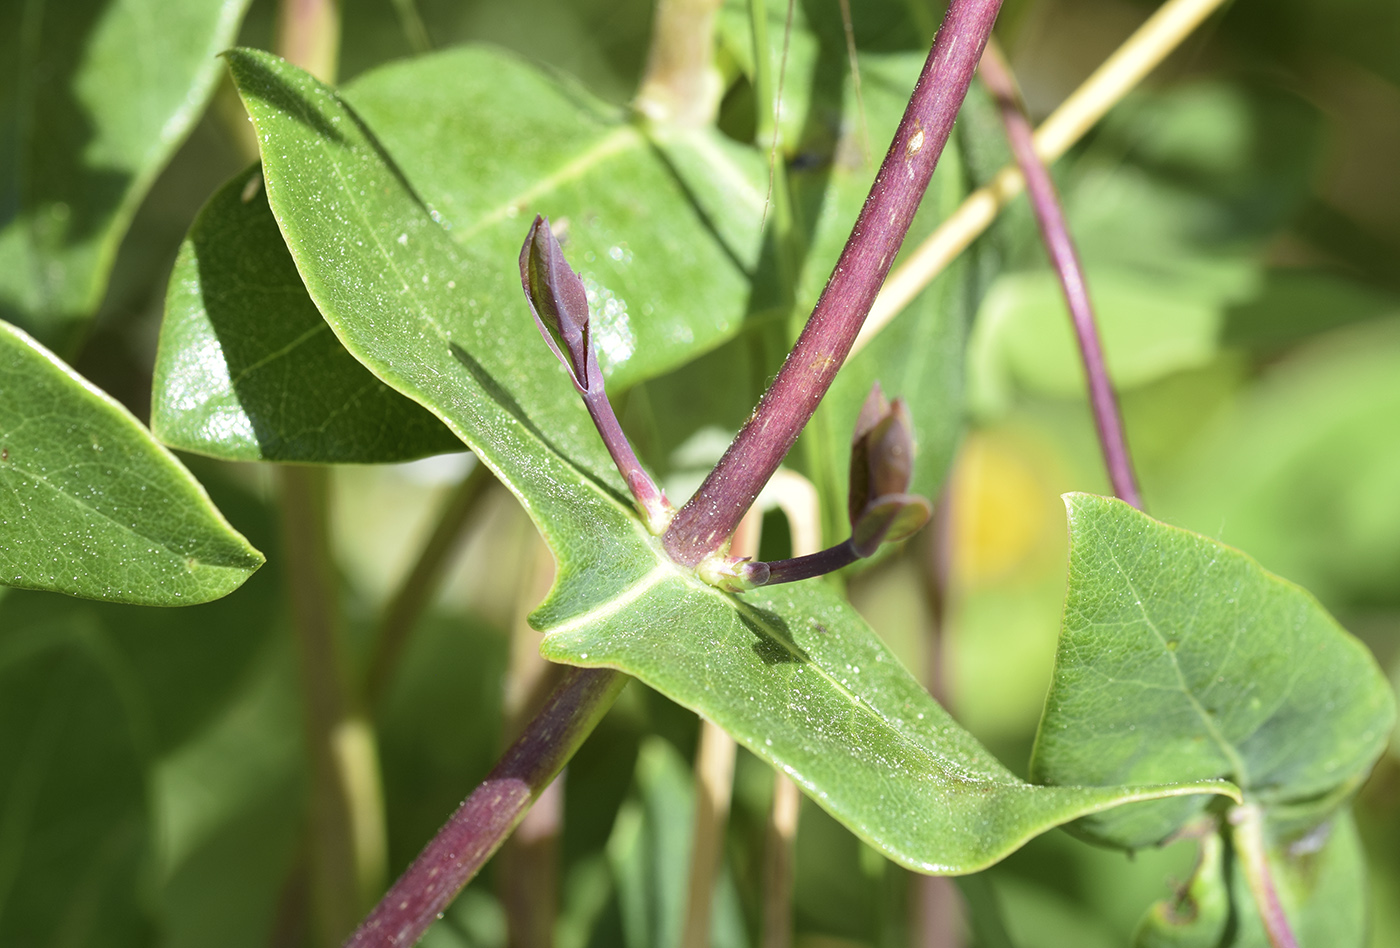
(881, 509)
(559, 304)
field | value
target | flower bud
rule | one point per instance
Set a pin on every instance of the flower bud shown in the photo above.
(882, 466)
(559, 303)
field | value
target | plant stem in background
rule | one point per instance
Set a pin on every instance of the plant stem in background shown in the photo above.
(706, 522)
(987, 926)
(779, 851)
(938, 909)
(1054, 231)
(528, 864)
(848, 27)
(348, 849)
(1247, 833)
(308, 35)
(412, 25)
(768, 136)
(714, 789)
(681, 85)
(416, 591)
(798, 500)
(1141, 53)
(487, 816)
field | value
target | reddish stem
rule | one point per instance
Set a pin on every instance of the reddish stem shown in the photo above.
(802, 567)
(486, 818)
(1247, 822)
(706, 521)
(1050, 215)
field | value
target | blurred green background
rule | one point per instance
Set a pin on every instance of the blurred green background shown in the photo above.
(1240, 222)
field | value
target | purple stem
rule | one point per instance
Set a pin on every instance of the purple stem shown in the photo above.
(706, 521)
(1247, 822)
(486, 818)
(1049, 214)
(813, 564)
(651, 501)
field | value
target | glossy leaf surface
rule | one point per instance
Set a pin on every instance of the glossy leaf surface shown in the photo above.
(1181, 656)
(794, 674)
(247, 370)
(483, 141)
(91, 505)
(94, 102)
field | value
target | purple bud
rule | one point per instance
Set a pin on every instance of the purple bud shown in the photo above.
(882, 452)
(887, 520)
(882, 466)
(559, 303)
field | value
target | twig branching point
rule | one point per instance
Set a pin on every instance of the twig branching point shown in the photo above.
(705, 523)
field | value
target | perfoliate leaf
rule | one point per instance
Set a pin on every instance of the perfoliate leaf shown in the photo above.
(247, 370)
(795, 675)
(99, 93)
(91, 505)
(1181, 658)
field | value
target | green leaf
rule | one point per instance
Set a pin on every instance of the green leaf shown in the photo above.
(231, 811)
(794, 674)
(1151, 327)
(91, 505)
(1295, 303)
(1181, 658)
(72, 790)
(98, 95)
(1170, 207)
(487, 141)
(1197, 916)
(247, 370)
(204, 702)
(482, 141)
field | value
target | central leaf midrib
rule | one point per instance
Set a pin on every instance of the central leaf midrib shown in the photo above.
(105, 518)
(1228, 749)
